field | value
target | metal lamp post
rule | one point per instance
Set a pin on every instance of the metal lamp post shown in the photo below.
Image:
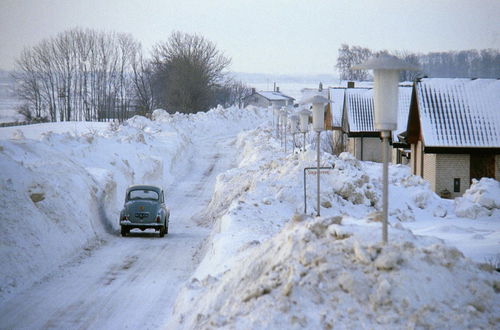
(318, 107)
(304, 123)
(386, 70)
(294, 119)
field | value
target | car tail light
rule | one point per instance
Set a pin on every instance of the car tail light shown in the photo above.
(158, 219)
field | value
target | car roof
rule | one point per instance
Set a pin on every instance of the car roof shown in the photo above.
(143, 187)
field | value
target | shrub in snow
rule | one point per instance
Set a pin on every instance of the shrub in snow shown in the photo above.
(349, 159)
(421, 197)
(481, 199)
(352, 183)
(160, 115)
(17, 135)
(308, 276)
(403, 214)
(440, 211)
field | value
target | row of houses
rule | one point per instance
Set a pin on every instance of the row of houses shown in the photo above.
(448, 129)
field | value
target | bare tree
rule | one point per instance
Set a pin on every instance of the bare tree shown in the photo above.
(143, 84)
(472, 63)
(78, 75)
(189, 68)
(350, 56)
(231, 92)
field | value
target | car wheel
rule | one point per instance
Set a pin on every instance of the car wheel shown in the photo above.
(124, 231)
(166, 229)
(162, 231)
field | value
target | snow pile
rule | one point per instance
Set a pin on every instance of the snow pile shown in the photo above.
(63, 183)
(249, 264)
(253, 201)
(321, 274)
(481, 199)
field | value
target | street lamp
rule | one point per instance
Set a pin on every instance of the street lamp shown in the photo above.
(386, 70)
(304, 115)
(318, 107)
(294, 119)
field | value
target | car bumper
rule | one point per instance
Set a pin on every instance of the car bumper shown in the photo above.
(142, 225)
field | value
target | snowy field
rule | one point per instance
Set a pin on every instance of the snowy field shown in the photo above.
(240, 252)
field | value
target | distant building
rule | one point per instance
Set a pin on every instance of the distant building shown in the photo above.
(400, 149)
(454, 132)
(333, 118)
(362, 139)
(335, 108)
(264, 98)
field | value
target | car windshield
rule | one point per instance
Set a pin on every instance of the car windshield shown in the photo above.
(143, 194)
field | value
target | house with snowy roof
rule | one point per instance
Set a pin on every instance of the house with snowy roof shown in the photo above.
(454, 132)
(336, 96)
(333, 117)
(363, 141)
(265, 98)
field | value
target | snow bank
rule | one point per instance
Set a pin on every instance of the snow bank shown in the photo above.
(255, 200)
(481, 199)
(321, 274)
(263, 270)
(62, 184)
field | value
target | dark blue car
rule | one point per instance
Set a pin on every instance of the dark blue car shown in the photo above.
(144, 208)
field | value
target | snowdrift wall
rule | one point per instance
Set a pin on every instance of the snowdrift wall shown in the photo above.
(62, 184)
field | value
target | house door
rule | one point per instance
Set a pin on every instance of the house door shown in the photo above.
(482, 165)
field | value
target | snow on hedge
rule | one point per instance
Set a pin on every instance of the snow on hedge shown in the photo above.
(482, 198)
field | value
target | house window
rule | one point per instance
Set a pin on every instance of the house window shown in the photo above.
(456, 185)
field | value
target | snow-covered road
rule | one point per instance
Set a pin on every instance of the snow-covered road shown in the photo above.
(129, 282)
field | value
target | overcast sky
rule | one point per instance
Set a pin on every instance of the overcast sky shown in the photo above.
(269, 36)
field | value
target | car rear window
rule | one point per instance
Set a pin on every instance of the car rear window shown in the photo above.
(143, 194)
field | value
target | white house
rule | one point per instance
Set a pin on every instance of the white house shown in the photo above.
(264, 98)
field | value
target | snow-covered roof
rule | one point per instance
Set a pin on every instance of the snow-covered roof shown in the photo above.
(275, 96)
(337, 105)
(359, 109)
(344, 83)
(359, 103)
(459, 112)
(404, 101)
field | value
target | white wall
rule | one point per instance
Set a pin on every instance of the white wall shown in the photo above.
(365, 148)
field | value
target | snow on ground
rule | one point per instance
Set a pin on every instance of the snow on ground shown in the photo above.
(263, 264)
(268, 266)
(62, 184)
